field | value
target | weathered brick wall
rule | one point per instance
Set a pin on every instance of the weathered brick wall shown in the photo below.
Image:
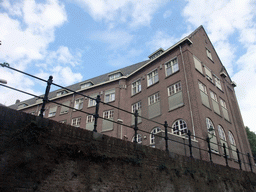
(43, 155)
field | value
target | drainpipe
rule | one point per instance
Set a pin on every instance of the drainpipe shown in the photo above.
(189, 100)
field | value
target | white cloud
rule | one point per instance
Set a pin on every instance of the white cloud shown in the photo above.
(167, 14)
(115, 38)
(161, 39)
(27, 29)
(136, 13)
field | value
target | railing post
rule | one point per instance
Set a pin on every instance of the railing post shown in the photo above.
(239, 160)
(209, 147)
(45, 99)
(96, 115)
(225, 154)
(190, 143)
(249, 158)
(135, 125)
(166, 136)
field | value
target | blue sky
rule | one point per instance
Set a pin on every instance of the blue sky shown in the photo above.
(75, 40)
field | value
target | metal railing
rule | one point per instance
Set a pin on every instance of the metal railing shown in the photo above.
(187, 135)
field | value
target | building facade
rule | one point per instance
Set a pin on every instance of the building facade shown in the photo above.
(185, 85)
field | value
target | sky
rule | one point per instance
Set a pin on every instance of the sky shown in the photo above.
(75, 40)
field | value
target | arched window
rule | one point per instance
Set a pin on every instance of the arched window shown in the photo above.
(152, 135)
(139, 139)
(231, 138)
(210, 126)
(221, 133)
(212, 136)
(179, 127)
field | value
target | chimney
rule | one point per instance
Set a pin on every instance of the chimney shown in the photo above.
(17, 101)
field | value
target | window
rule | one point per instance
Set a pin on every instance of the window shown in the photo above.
(153, 77)
(179, 127)
(108, 114)
(175, 98)
(198, 65)
(63, 92)
(22, 105)
(152, 136)
(139, 139)
(63, 121)
(92, 102)
(213, 96)
(153, 98)
(221, 133)
(171, 67)
(114, 76)
(52, 111)
(215, 103)
(110, 95)
(212, 135)
(208, 74)
(79, 103)
(65, 109)
(203, 93)
(136, 87)
(202, 87)
(76, 122)
(209, 55)
(90, 119)
(231, 138)
(224, 109)
(232, 145)
(175, 88)
(136, 106)
(217, 82)
(85, 85)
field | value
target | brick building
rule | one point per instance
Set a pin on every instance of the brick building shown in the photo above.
(185, 85)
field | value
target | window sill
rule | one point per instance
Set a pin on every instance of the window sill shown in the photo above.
(152, 84)
(227, 120)
(217, 114)
(177, 107)
(220, 89)
(107, 130)
(210, 59)
(155, 116)
(91, 106)
(172, 74)
(110, 101)
(64, 113)
(207, 107)
(200, 72)
(210, 80)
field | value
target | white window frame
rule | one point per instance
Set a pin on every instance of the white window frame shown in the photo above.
(217, 82)
(152, 135)
(171, 66)
(153, 98)
(174, 88)
(85, 85)
(115, 75)
(136, 106)
(139, 138)
(213, 96)
(92, 102)
(63, 92)
(76, 122)
(221, 132)
(179, 127)
(108, 114)
(90, 119)
(223, 103)
(209, 54)
(136, 87)
(231, 138)
(63, 121)
(110, 95)
(208, 73)
(152, 77)
(52, 113)
(79, 103)
(202, 87)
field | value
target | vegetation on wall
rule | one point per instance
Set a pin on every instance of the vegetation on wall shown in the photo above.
(252, 140)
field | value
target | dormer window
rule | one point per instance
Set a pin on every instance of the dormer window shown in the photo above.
(22, 105)
(156, 54)
(115, 76)
(63, 92)
(85, 85)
